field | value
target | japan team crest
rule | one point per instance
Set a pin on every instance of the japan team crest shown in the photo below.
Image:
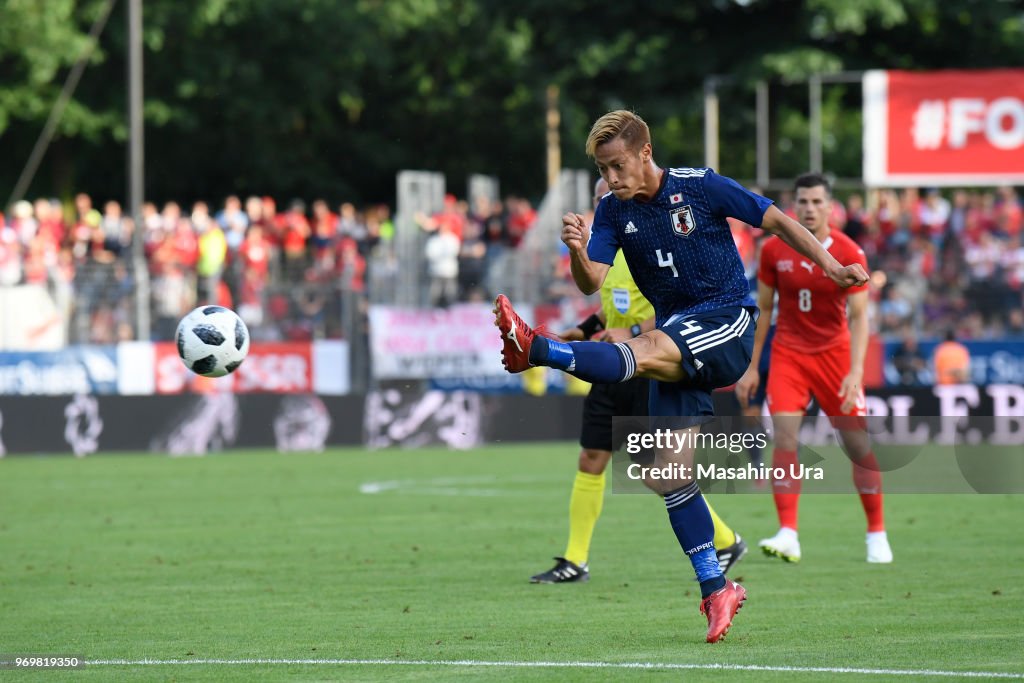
(682, 221)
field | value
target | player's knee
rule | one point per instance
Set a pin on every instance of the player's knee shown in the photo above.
(593, 461)
(786, 440)
(856, 444)
(644, 350)
(786, 428)
(656, 360)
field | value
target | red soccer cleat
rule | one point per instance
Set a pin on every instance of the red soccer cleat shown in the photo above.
(720, 607)
(516, 336)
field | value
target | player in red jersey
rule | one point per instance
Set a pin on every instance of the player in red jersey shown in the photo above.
(818, 351)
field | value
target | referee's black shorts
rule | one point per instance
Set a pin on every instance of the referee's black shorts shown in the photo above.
(606, 401)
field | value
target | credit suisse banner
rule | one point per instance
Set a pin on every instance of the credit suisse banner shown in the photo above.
(992, 362)
(145, 368)
(275, 367)
(944, 128)
(456, 342)
(271, 367)
(74, 370)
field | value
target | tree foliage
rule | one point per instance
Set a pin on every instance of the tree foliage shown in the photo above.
(327, 98)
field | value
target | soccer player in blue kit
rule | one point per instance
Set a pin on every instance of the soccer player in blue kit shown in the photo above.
(671, 226)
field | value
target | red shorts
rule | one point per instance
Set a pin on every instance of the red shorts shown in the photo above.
(795, 377)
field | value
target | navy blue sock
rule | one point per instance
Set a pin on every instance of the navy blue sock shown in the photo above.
(598, 362)
(695, 531)
(554, 354)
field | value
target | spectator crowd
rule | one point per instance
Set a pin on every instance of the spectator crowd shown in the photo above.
(283, 271)
(946, 263)
(941, 264)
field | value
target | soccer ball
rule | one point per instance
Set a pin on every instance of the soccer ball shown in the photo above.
(212, 341)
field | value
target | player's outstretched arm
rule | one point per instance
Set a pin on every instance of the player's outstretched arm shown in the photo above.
(588, 275)
(853, 383)
(586, 330)
(624, 334)
(801, 239)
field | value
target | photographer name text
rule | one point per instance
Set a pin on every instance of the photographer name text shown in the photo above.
(748, 472)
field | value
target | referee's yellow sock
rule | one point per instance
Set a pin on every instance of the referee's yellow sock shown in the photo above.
(724, 536)
(584, 509)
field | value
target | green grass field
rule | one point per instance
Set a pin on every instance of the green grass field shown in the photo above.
(423, 556)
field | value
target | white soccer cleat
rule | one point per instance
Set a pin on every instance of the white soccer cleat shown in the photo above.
(879, 551)
(784, 545)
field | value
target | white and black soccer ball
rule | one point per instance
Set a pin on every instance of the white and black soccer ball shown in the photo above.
(212, 341)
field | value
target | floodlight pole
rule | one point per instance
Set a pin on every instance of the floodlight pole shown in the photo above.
(814, 98)
(711, 122)
(552, 121)
(763, 124)
(136, 170)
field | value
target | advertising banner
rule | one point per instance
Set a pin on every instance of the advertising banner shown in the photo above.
(455, 342)
(145, 368)
(30, 320)
(281, 368)
(395, 416)
(74, 370)
(992, 362)
(944, 128)
(177, 425)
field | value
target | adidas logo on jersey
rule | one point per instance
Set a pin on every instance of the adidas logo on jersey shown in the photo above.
(630, 227)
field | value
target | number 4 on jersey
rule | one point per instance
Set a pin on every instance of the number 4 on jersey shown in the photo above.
(667, 262)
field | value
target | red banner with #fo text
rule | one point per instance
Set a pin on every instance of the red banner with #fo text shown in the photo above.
(944, 128)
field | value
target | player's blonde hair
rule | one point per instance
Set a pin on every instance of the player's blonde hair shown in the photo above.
(622, 124)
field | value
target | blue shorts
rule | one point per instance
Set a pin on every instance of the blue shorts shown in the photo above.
(716, 348)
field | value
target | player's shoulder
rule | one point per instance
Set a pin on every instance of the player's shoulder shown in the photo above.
(607, 203)
(772, 244)
(684, 172)
(845, 243)
(684, 180)
(841, 238)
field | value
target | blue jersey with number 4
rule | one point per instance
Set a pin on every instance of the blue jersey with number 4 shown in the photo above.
(678, 245)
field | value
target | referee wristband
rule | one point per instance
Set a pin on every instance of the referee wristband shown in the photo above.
(591, 326)
(635, 330)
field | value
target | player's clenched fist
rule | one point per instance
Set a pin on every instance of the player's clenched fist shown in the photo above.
(575, 232)
(850, 276)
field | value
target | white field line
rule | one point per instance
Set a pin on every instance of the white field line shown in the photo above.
(471, 486)
(558, 665)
